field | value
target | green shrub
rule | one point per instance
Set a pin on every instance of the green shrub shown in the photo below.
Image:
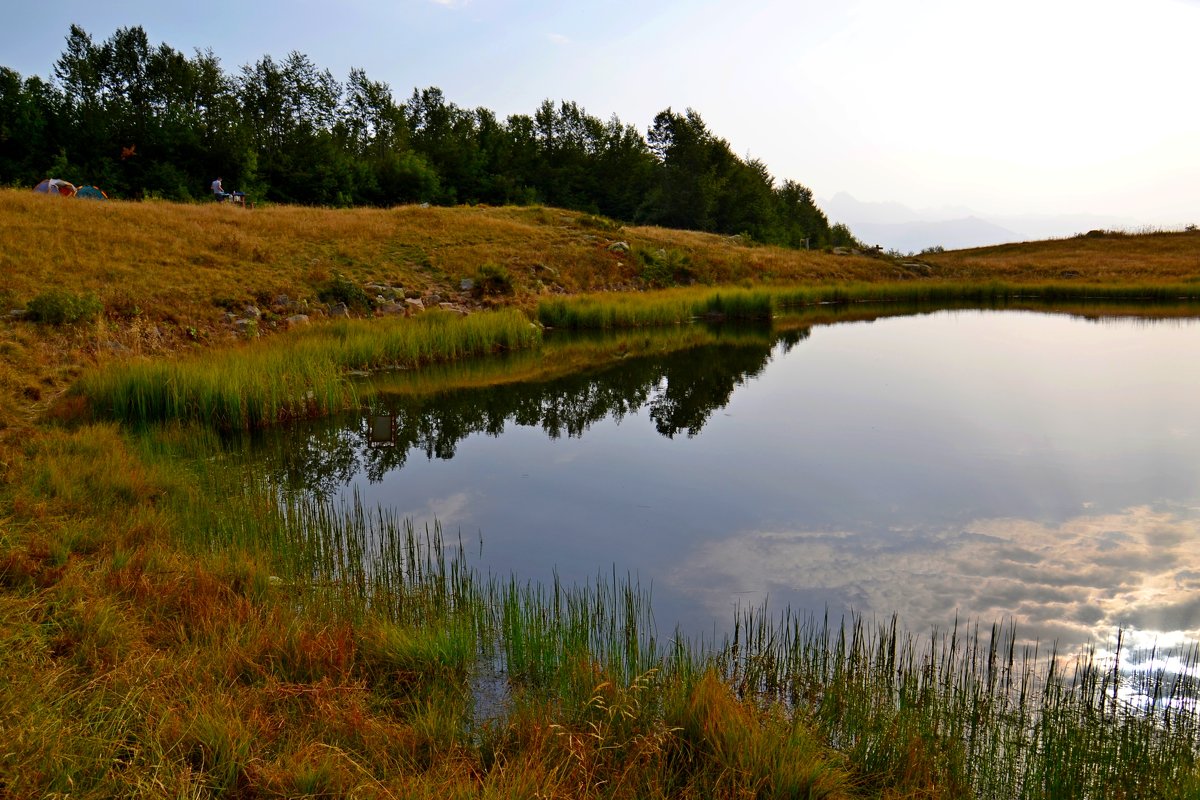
(662, 268)
(492, 280)
(339, 289)
(60, 307)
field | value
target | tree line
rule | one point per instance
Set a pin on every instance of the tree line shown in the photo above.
(143, 121)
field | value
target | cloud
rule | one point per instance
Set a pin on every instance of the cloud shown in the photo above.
(1075, 582)
(558, 38)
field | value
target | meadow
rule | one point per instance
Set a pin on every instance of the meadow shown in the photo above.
(170, 625)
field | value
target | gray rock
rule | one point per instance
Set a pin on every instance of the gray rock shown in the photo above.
(619, 247)
(391, 309)
(414, 304)
(246, 327)
(339, 310)
(432, 300)
(455, 308)
(230, 316)
(466, 284)
(252, 312)
(282, 301)
(297, 320)
(18, 313)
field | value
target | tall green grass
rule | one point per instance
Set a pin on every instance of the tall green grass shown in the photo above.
(984, 715)
(677, 306)
(974, 713)
(303, 375)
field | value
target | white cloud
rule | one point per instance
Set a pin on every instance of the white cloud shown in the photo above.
(558, 38)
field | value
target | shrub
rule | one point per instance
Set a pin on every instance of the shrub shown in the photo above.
(339, 289)
(492, 280)
(60, 307)
(663, 268)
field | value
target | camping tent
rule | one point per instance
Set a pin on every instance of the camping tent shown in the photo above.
(91, 193)
(55, 186)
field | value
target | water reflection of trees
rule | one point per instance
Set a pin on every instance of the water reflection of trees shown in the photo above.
(680, 391)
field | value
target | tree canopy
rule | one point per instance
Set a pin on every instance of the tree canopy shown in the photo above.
(149, 121)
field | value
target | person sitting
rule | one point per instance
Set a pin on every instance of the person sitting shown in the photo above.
(218, 191)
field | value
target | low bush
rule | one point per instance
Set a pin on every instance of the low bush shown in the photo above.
(340, 289)
(60, 307)
(493, 280)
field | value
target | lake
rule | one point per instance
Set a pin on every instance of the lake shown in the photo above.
(1033, 468)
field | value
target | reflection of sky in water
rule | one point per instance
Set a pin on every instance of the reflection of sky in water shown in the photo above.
(991, 465)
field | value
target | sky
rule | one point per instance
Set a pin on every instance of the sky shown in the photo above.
(1022, 107)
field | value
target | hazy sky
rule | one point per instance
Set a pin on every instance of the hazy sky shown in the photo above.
(1048, 106)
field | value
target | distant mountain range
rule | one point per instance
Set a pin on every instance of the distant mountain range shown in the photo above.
(897, 227)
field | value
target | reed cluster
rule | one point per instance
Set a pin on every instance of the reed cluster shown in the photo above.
(677, 306)
(304, 375)
(961, 713)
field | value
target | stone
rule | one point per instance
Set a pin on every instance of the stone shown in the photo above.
(619, 247)
(432, 300)
(18, 313)
(339, 310)
(246, 328)
(455, 308)
(297, 320)
(466, 284)
(252, 312)
(414, 304)
(390, 309)
(282, 301)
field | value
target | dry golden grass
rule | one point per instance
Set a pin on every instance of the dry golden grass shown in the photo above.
(1113, 258)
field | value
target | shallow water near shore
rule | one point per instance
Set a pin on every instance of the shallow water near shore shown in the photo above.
(990, 465)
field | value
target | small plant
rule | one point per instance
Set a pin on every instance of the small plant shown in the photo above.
(493, 280)
(662, 268)
(340, 289)
(123, 305)
(600, 223)
(60, 307)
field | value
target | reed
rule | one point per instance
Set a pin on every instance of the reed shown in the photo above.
(302, 376)
(976, 713)
(676, 306)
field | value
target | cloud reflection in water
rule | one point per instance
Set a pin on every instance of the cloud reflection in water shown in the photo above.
(1072, 582)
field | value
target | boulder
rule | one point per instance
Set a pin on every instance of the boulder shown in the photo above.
(339, 310)
(619, 247)
(252, 312)
(297, 320)
(414, 304)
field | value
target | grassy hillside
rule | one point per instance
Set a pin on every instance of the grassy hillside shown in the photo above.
(172, 277)
(169, 628)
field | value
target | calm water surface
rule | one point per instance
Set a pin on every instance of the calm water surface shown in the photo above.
(1038, 468)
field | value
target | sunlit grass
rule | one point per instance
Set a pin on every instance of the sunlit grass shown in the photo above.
(678, 306)
(302, 376)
